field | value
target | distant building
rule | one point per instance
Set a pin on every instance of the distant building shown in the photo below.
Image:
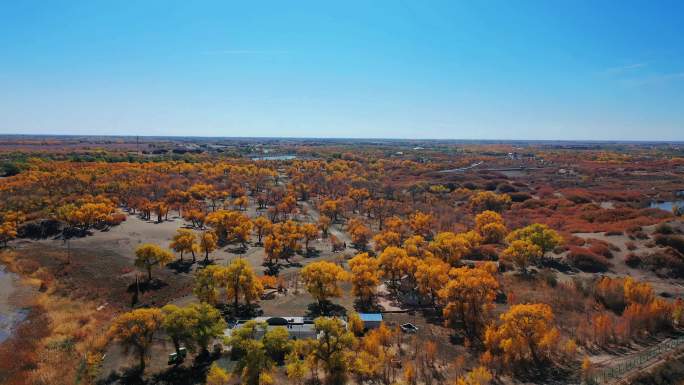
(371, 320)
(297, 327)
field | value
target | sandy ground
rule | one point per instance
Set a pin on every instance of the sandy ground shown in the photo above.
(661, 285)
(101, 264)
(10, 311)
(8, 283)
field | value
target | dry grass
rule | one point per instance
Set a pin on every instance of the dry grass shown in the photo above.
(72, 336)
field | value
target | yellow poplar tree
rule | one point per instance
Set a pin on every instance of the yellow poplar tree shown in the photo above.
(135, 329)
(365, 276)
(149, 255)
(526, 334)
(322, 280)
(468, 297)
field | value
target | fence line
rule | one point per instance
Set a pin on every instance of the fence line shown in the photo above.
(604, 375)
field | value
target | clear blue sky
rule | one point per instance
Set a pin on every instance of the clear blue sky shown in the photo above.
(401, 69)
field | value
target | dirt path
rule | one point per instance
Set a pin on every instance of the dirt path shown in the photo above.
(334, 229)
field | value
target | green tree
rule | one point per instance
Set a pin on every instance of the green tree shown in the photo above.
(539, 234)
(178, 323)
(206, 287)
(277, 343)
(253, 359)
(522, 253)
(332, 348)
(148, 255)
(208, 324)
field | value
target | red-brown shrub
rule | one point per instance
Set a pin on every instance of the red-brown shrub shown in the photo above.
(632, 260)
(601, 249)
(585, 260)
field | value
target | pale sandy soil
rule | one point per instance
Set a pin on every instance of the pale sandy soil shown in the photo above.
(15, 299)
(122, 240)
(619, 268)
(10, 314)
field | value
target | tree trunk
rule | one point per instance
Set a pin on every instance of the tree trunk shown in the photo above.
(535, 357)
(141, 357)
(149, 273)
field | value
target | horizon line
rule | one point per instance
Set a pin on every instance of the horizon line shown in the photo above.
(662, 141)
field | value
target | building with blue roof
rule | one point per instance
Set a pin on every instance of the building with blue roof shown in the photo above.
(371, 320)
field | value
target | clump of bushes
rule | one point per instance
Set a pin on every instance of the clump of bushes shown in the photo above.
(506, 188)
(603, 248)
(674, 241)
(668, 263)
(632, 260)
(638, 235)
(519, 196)
(549, 276)
(574, 240)
(664, 229)
(586, 260)
(600, 249)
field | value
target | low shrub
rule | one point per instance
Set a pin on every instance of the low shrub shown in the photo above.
(519, 196)
(575, 241)
(641, 235)
(668, 262)
(549, 276)
(632, 260)
(601, 249)
(664, 229)
(674, 241)
(506, 188)
(585, 260)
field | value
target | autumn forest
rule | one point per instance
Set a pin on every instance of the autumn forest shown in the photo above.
(206, 261)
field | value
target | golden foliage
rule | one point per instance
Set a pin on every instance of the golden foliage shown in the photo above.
(522, 253)
(365, 276)
(322, 279)
(526, 334)
(135, 330)
(149, 255)
(468, 297)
